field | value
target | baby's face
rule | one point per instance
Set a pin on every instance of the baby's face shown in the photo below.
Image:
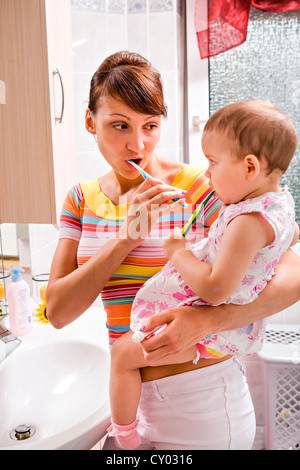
(226, 173)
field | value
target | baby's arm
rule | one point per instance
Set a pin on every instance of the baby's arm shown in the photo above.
(130, 355)
(242, 239)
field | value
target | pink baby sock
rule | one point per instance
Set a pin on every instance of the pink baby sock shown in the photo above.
(125, 436)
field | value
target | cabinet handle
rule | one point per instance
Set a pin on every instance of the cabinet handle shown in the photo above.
(59, 119)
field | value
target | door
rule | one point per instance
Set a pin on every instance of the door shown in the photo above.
(197, 90)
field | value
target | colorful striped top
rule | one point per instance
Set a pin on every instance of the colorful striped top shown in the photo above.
(90, 218)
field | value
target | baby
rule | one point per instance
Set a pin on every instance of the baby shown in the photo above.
(248, 145)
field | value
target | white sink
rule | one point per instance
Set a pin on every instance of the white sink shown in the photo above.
(58, 387)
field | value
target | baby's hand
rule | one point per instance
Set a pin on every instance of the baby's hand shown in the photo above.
(176, 241)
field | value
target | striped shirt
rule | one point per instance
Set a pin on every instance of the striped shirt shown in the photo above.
(90, 218)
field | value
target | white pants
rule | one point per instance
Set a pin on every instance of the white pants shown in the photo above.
(208, 408)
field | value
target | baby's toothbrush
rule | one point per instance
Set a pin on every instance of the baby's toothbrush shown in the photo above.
(144, 175)
(195, 215)
(139, 335)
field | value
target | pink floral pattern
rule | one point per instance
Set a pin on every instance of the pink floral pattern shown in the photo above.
(167, 289)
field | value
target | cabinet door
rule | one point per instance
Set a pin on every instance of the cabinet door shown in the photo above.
(62, 102)
(30, 148)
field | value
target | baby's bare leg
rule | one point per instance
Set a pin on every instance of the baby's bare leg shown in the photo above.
(125, 381)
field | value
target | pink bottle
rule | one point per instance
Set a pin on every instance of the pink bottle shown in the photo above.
(18, 298)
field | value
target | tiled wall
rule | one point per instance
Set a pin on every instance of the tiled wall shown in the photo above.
(149, 27)
(266, 66)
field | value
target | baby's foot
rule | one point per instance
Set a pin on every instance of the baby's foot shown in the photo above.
(125, 436)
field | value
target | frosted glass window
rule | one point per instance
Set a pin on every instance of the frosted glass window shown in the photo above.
(266, 66)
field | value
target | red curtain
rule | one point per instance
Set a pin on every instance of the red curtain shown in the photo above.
(222, 24)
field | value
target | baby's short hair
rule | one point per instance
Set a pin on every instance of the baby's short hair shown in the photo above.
(257, 127)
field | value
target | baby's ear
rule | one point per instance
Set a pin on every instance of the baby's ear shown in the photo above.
(252, 166)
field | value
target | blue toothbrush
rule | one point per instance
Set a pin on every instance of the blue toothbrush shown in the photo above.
(144, 175)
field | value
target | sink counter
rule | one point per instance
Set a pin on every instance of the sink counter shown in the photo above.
(56, 383)
(89, 327)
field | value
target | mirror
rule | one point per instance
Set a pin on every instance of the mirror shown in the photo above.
(9, 257)
(30, 246)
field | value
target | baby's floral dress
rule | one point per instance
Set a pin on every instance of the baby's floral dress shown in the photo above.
(167, 290)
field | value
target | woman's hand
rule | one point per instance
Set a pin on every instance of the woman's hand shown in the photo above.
(185, 326)
(149, 202)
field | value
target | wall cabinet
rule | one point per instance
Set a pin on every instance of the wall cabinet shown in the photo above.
(37, 115)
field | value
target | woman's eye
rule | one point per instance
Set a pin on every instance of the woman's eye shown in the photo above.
(120, 126)
(151, 126)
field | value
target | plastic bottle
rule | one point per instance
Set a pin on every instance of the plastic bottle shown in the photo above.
(18, 298)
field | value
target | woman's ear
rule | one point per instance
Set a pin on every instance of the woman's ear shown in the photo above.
(252, 166)
(90, 122)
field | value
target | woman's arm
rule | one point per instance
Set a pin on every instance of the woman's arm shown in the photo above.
(72, 290)
(189, 324)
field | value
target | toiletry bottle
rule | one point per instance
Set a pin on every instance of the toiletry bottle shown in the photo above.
(19, 309)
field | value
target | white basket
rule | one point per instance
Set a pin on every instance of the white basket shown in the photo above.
(281, 366)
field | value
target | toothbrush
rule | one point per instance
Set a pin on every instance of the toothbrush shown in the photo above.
(144, 175)
(142, 172)
(195, 215)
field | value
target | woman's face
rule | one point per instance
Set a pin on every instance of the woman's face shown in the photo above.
(123, 134)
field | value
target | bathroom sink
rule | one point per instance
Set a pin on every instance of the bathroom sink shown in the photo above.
(57, 391)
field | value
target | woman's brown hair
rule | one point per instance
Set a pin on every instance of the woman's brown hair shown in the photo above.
(130, 78)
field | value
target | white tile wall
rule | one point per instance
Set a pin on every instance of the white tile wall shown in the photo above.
(151, 28)
(137, 34)
(43, 242)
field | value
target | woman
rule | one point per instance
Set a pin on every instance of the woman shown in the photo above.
(112, 231)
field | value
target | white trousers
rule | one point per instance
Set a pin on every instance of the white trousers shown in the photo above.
(205, 409)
